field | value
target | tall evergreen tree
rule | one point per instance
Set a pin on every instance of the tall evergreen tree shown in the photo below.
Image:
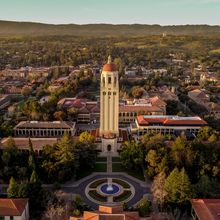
(31, 158)
(178, 187)
(12, 188)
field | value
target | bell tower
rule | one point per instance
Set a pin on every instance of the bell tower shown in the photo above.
(109, 100)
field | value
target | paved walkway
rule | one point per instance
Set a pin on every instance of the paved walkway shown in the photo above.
(109, 163)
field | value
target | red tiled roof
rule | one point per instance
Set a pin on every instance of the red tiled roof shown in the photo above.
(137, 108)
(109, 67)
(184, 122)
(206, 209)
(157, 101)
(168, 120)
(146, 121)
(12, 207)
(83, 110)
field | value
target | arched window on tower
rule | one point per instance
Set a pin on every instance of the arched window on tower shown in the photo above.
(109, 80)
(115, 80)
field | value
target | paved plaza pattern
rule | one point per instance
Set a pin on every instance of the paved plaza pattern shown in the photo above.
(139, 188)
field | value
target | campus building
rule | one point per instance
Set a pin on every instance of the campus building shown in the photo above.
(17, 209)
(88, 112)
(166, 124)
(108, 213)
(205, 209)
(44, 128)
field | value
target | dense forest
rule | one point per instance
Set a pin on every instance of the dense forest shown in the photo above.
(9, 28)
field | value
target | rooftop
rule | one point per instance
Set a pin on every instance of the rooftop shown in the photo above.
(206, 209)
(109, 67)
(12, 207)
(45, 124)
(169, 120)
(23, 143)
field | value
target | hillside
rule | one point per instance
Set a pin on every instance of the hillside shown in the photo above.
(11, 28)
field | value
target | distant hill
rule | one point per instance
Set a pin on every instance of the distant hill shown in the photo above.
(10, 28)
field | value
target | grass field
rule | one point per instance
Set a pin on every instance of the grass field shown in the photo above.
(99, 167)
(117, 167)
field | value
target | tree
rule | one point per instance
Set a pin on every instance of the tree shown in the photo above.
(85, 137)
(59, 115)
(153, 140)
(65, 157)
(132, 155)
(54, 212)
(157, 161)
(22, 191)
(10, 143)
(178, 187)
(65, 150)
(144, 207)
(12, 188)
(26, 91)
(34, 178)
(204, 187)
(157, 188)
(137, 92)
(6, 157)
(205, 133)
(85, 156)
(179, 151)
(31, 158)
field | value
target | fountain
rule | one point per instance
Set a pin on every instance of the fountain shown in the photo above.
(109, 189)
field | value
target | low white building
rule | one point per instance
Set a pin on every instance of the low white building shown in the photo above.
(166, 124)
(44, 128)
(14, 209)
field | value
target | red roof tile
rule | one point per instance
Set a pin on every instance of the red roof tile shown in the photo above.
(12, 207)
(206, 209)
(109, 67)
(138, 108)
(170, 120)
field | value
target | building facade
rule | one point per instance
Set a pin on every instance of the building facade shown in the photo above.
(44, 128)
(166, 124)
(109, 213)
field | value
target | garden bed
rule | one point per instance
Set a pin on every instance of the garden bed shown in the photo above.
(122, 183)
(97, 183)
(96, 196)
(124, 196)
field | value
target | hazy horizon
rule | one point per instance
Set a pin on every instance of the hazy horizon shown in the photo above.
(169, 12)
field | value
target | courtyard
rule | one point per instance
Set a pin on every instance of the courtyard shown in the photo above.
(109, 183)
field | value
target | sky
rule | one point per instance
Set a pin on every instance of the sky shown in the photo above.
(163, 12)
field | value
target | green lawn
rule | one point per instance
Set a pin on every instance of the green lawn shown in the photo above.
(116, 159)
(117, 167)
(101, 159)
(99, 167)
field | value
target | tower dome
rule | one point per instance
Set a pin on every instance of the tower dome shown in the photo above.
(109, 66)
